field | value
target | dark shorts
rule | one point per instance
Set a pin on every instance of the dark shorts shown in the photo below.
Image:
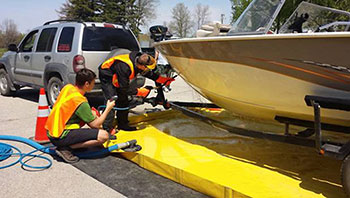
(75, 136)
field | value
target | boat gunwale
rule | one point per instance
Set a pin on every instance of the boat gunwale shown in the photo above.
(258, 37)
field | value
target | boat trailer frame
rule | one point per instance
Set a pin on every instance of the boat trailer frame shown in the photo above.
(324, 147)
(331, 149)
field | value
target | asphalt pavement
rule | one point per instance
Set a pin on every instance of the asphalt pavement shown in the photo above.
(110, 176)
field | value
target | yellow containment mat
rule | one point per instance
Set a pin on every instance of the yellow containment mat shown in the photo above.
(221, 164)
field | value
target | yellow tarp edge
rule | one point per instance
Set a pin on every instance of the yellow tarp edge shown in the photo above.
(182, 177)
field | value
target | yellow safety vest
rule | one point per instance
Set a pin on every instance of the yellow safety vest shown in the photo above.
(67, 102)
(123, 58)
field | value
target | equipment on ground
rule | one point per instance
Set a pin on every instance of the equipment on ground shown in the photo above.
(128, 146)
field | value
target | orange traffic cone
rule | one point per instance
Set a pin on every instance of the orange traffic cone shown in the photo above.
(43, 113)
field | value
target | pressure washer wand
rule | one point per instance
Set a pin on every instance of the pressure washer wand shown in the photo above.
(126, 144)
(160, 98)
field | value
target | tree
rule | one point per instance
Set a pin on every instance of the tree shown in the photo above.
(83, 10)
(134, 13)
(181, 23)
(117, 11)
(237, 7)
(201, 15)
(9, 33)
(138, 12)
(145, 10)
(66, 11)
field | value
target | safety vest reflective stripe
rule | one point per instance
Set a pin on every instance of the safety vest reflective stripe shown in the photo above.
(67, 102)
(123, 58)
(72, 126)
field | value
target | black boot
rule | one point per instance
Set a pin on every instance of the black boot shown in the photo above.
(123, 122)
(127, 128)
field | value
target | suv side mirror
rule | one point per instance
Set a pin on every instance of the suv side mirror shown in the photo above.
(12, 47)
(158, 32)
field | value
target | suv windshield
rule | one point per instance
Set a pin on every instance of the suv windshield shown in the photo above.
(107, 39)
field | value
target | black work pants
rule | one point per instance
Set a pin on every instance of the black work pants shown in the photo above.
(122, 102)
(109, 90)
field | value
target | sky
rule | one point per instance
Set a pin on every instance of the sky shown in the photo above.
(28, 14)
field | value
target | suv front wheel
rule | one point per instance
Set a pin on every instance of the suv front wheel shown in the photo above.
(54, 87)
(5, 89)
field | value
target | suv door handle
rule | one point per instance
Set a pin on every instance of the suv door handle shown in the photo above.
(47, 58)
(26, 58)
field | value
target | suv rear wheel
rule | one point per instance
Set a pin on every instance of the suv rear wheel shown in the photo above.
(5, 89)
(54, 87)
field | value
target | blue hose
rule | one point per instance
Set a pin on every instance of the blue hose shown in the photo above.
(6, 151)
(101, 107)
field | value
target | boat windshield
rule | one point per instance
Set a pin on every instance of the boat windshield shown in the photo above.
(309, 17)
(257, 18)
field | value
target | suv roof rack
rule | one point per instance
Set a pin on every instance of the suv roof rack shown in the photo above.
(64, 20)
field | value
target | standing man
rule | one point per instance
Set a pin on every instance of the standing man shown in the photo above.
(72, 108)
(115, 75)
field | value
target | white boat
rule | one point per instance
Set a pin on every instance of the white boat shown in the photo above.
(259, 74)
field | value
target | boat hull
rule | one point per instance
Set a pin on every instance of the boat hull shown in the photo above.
(258, 77)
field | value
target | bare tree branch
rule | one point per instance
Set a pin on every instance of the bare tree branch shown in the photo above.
(181, 25)
(201, 14)
(9, 33)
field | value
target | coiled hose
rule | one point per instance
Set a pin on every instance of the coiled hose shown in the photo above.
(6, 150)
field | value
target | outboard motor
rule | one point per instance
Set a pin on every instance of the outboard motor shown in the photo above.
(159, 33)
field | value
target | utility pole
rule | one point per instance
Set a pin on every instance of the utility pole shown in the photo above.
(222, 18)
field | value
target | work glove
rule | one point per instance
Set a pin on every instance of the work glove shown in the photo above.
(164, 80)
(144, 91)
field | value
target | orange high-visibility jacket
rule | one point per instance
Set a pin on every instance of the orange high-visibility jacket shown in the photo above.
(124, 58)
(67, 102)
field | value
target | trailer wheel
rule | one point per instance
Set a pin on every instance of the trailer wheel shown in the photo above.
(345, 175)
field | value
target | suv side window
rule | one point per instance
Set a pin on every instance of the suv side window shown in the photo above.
(66, 40)
(46, 40)
(28, 42)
